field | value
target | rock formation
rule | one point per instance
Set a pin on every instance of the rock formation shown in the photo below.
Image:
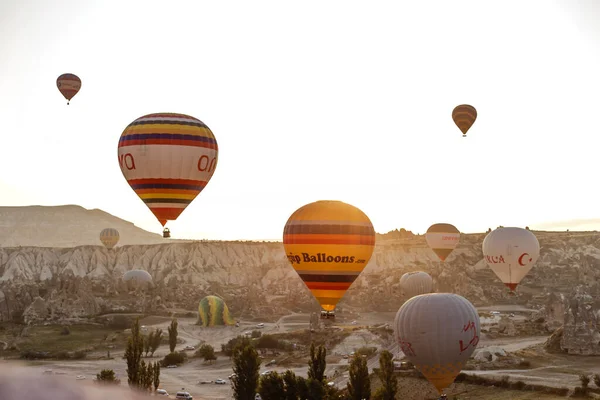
(581, 331)
(256, 278)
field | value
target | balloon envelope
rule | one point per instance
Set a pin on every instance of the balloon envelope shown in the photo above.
(167, 159)
(415, 283)
(464, 117)
(68, 85)
(510, 253)
(437, 332)
(442, 239)
(328, 243)
(137, 275)
(109, 237)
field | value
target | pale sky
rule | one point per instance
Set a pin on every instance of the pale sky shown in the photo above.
(312, 100)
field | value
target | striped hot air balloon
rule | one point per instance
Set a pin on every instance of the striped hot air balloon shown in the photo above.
(328, 243)
(212, 311)
(109, 237)
(68, 85)
(438, 333)
(442, 239)
(167, 159)
(464, 117)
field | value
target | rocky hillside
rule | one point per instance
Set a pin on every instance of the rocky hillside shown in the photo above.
(256, 278)
(65, 226)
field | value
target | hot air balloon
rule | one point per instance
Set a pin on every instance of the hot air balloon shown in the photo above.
(109, 237)
(415, 283)
(442, 239)
(437, 332)
(511, 253)
(464, 117)
(68, 85)
(137, 279)
(328, 243)
(167, 159)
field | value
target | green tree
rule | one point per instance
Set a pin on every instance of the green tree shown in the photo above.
(388, 379)
(246, 365)
(291, 385)
(156, 375)
(585, 381)
(148, 342)
(317, 363)
(133, 355)
(240, 340)
(156, 341)
(173, 335)
(107, 376)
(359, 386)
(302, 385)
(316, 389)
(271, 387)
(207, 352)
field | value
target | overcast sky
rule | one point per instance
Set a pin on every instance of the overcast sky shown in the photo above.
(312, 100)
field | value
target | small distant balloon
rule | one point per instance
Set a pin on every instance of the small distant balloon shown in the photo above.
(442, 239)
(464, 117)
(68, 85)
(416, 283)
(109, 237)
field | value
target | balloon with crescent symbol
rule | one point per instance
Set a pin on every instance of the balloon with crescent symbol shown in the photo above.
(328, 243)
(415, 283)
(442, 239)
(167, 159)
(68, 85)
(464, 117)
(109, 237)
(510, 253)
(438, 333)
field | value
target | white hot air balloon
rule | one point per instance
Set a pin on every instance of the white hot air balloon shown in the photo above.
(442, 239)
(415, 283)
(438, 333)
(511, 253)
(137, 279)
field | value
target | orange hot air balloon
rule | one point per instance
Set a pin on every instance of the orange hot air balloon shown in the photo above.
(167, 159)
(68, 85)
(464, 117)
(328, 243)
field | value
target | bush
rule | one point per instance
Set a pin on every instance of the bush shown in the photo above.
(366, 351)
(65, 330)
(525, 364)
(79, 355)
(175, 358)
(62, 355)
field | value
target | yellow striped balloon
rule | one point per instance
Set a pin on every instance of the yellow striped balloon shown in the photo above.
(212, 311)
(109, 237)
(167, 160)
(464, 117)
(328, 243)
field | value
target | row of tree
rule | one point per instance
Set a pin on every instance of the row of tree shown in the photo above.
(141, 375)
(247, 382)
